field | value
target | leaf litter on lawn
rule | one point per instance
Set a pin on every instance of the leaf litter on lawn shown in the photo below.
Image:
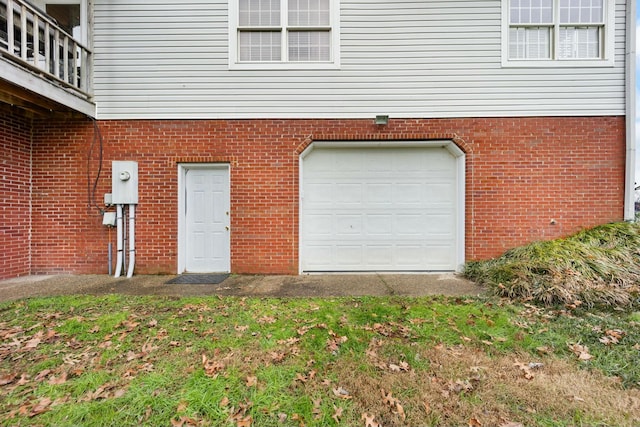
(255, 362)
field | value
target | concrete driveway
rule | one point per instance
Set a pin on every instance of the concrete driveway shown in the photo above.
(321, 285)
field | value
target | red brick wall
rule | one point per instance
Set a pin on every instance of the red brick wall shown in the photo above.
(15, 169)
(67, 234)
(520, 175)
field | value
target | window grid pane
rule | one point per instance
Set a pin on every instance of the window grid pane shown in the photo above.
(530, 43)
(581, 11)
(531, 12)
(309, 13)
(309, 46)
(579, 43)
(259, 13)
(260, 46)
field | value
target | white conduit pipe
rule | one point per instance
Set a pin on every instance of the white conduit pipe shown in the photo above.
(119, 244)
(132, 239)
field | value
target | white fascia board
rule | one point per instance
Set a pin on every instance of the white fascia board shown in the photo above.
(33, 83)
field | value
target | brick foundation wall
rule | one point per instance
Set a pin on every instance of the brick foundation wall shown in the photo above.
(526, 179)
(15, 170)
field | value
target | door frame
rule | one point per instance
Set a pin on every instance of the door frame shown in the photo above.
(183, 168)
(447, 144)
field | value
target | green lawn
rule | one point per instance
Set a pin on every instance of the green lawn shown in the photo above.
(124, 361)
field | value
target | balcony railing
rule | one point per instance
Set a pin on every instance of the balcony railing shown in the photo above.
(33, 39)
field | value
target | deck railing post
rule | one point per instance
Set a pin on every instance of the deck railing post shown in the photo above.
(10, 32)
(36, 41)
(23, 32)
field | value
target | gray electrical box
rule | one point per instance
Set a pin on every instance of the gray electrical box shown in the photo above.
(124, 182)
(109, 219)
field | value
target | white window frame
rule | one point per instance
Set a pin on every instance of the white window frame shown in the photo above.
(234, 54)
(84, 15)
(608, 45)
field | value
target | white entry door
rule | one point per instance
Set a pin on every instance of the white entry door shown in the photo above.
(206, 220)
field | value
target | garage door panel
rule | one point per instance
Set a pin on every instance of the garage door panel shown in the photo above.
(345, 161)
(440, 192)
(439, 225)
(378, 193)
(348, 255)
(368, 209)
(378, 162)
(380, 256)
(320, 256)
(348, 193)
(410, 225)
(348, 225)
(379, 225)
(409, 193)
(409, 256)
(441, 257)
(319, 225)
(319, 193)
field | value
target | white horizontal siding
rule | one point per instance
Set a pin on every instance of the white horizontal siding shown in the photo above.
(420, 58)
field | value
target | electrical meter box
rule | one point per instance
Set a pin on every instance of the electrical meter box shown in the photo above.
(124, 182)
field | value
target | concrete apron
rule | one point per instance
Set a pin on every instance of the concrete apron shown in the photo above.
(320, 285)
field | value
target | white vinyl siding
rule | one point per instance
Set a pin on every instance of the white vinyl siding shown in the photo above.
(411, 58)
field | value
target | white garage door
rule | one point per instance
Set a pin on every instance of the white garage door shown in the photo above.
(379, 209)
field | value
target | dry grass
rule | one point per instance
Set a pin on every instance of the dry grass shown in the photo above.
(464, 384)
(595, 267)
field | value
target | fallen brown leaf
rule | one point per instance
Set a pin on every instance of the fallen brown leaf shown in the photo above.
(58, 380)
(184, 422)
(182, 406)
(42, 375)
(245, 422)
(400, 411)
(299, 419)
(31, 344)
(7, 379)
(277, 356)
(42, 406)
(317, 412)
(526, 370)
(582, 351)
(266, 320)
(337, 413)
(612, 336)
(251, 381)
(369, 420)
(212, 367)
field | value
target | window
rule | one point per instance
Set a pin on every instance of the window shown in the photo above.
(71, 15)
(283, 33)
(558, 32)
